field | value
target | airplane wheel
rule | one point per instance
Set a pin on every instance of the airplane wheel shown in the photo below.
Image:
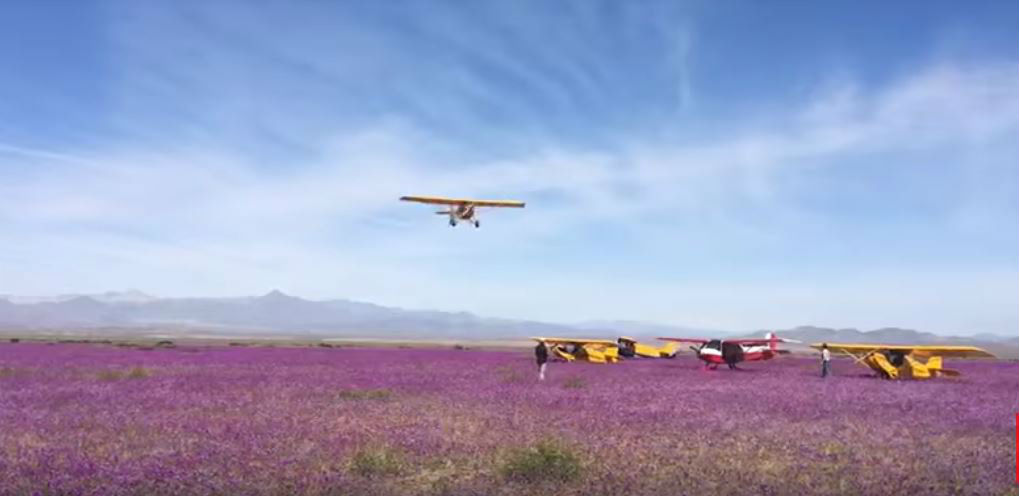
(452, 223)
(477, 224)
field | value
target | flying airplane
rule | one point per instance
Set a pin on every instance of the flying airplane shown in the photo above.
(715, 352)
(462, 209)
(629, 347)
(902, 361)
(591, 350)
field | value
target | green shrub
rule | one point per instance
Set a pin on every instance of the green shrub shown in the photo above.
(364, 394)
(376, 462)
(544, 461)
(116, 375)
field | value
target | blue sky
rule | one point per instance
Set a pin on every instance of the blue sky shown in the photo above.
(730, 165)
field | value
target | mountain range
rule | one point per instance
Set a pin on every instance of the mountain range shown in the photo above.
(276, 313)
(887, 335)
(272, 314)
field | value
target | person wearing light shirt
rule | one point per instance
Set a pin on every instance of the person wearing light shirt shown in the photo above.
(825, 361)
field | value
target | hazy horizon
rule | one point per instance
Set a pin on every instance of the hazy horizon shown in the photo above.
(134, 295)
(718, 165)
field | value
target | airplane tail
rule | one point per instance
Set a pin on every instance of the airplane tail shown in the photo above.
(936, 369)
(773, 341)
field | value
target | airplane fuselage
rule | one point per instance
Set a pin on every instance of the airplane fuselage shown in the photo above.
(716, 352)
(465, 212)
(750, 354)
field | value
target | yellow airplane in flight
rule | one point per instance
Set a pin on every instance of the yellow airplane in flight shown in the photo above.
(903, 361)
(461, 208)
(590, 350)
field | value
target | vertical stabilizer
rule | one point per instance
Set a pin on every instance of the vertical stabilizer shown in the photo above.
(934, 365)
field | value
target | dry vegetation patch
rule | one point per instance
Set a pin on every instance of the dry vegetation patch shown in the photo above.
(574, 382)
(377, 462)
(11, 372)
(116, 375)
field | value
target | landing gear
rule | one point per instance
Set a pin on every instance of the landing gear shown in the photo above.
(452, 222)
(477, 224)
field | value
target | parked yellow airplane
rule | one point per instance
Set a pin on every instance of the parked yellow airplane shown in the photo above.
(902, 361)
(629, 347)
(591, 350)
(460, 208)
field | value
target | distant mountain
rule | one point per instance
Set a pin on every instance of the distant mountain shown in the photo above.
(886, 335)
(986, 336)
(129, 296)
(277, 313)
(274, 312)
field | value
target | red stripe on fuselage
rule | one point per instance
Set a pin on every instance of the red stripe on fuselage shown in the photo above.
(747, 357)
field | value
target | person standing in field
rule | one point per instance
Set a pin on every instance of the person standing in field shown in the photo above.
(541, 356)
(825, 361)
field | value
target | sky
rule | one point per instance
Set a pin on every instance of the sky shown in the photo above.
(724, 165)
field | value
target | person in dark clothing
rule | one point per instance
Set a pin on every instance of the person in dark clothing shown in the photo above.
(541, 356)
(732, 353)
(825, 361)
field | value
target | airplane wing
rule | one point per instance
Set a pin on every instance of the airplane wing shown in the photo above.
(575, 341)
(919, 350)
(751, 342)
(438, 200)
(685, 340)
(760, 341)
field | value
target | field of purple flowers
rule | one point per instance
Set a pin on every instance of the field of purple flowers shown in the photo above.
(87, 419)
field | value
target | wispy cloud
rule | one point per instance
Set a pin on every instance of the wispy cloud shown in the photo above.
(244, 162)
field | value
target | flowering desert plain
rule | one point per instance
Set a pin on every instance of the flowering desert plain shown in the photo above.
(90, 419)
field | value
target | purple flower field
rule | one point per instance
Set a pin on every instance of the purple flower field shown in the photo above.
(87, 419)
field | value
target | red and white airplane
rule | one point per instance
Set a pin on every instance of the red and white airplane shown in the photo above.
(715, 352)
